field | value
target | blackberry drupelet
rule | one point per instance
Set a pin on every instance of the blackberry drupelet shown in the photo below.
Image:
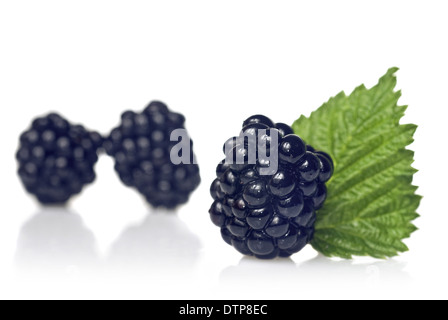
(141, 148)
(56, 159)
(269, 216)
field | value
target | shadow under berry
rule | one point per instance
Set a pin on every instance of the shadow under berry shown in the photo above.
(161, 242)
(55, 242)
(315, 274)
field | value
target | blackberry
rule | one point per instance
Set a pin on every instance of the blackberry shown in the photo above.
(56, 159)
(271, 215)
(141, 148)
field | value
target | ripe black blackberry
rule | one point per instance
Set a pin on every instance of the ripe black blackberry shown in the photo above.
(273, 215)
(56, 159)
(141, 147)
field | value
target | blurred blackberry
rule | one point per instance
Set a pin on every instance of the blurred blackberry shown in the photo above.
(141, 147)
(56, 159)
(273, 215)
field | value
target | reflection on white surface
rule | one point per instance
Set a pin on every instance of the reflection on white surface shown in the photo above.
(317, 272)
(259, 275)
(357, 272)
(163, 256)
(162, 241)
(56, 241)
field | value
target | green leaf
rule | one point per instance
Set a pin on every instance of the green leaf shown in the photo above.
(371, 200)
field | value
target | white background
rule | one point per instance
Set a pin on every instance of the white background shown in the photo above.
(217, 62)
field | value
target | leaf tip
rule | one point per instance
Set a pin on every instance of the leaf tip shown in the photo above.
(389, 76)
(404, 248)
(392, 71)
